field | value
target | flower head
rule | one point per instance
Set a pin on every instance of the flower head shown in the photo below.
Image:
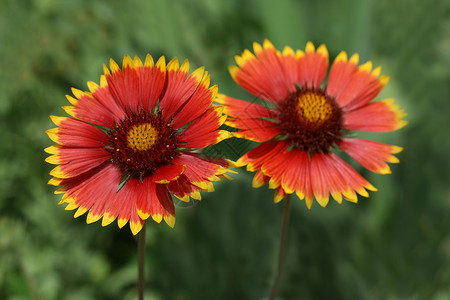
(301, 122)
(132, 141)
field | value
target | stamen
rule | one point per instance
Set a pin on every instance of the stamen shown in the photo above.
(142, 137)
(314, 106)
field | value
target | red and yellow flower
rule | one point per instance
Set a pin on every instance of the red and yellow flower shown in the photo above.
(133, 140)
(301, 121)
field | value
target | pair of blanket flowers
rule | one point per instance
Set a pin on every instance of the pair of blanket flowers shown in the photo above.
(134, 140)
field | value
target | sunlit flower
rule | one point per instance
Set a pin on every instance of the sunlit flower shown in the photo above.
(303, 122)
(133, 141)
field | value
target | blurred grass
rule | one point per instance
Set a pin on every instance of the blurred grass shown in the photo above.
(394, 245)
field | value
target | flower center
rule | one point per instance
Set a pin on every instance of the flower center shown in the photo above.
(141, 143)
(311, 120)
(142, 137)
(314, 107)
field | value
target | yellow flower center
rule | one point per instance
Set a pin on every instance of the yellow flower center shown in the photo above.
(314, 106)
(142, 137)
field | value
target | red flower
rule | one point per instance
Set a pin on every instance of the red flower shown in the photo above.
(300, 121)
(130, 142)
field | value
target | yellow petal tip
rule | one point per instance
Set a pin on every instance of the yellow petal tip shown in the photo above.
(157, 218)
(170, 220)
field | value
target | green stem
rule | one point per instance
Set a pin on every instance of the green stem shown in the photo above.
(281, 255)
(141, 262)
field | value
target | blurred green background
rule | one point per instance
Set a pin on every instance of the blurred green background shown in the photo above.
(394, 245)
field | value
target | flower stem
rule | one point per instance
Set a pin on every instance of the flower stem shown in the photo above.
(141, 262)
(281, 255)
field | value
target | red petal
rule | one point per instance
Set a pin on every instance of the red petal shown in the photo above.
(78, 134)
(202, 131)
(178, 88)
(304, 187)
(185, 97)
(290, 66)
(353, 87)
(380, 116)
(257, 156)
(340, 73)
(198, 174)
(165, 207)
(193, 108)
(255, 129)
(346, 177)
(279, 195)
(167, 173)
(124, 86)
(274, 168)
(371, 155)
(259, 179)
(134, 87)
(76, 161)
(181, 187)
(291, 173)
(147, 200)
(251, 118)
(126, 205)
(264, 75)
(293, 168)
(319, 180)
(100, 108)
(197, 170)
(95, 189)
(201, 141)
(312, 66)
(153, 200)
(151, 83)
(243, 109)
(326, 180)
(328, 175)
(124, 202)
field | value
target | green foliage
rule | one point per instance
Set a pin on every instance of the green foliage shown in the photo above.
(394, 245)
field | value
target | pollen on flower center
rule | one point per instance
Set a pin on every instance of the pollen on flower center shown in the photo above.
(314, 106)
(310, 120)
(141, 143)
(142, 137)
